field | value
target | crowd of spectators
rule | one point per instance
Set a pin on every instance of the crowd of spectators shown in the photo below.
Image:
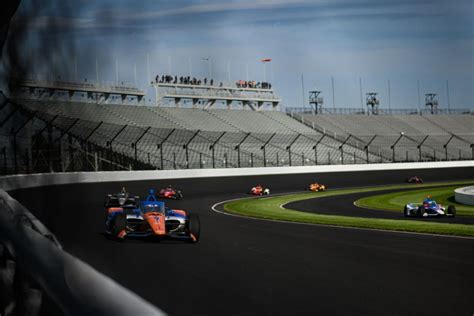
(253, 84)
(209, 82)
(184, 80)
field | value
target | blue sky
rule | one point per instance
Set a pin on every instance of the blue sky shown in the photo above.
(376, 40)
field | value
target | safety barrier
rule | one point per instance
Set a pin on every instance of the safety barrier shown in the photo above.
(35, 180)
(464, 195)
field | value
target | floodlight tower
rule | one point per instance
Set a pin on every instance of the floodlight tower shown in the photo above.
(316, 101)
(431, 102)
(372, 103)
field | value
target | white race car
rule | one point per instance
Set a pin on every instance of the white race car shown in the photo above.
(428, 208)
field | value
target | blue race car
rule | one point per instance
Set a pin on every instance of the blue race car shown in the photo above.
(152, 218)
(429, 208)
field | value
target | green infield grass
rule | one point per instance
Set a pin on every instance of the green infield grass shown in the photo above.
(272, 207)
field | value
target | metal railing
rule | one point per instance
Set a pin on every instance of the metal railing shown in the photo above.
(362, 111)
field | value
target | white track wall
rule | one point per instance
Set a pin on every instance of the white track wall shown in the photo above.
(35, 180)
(464, 195)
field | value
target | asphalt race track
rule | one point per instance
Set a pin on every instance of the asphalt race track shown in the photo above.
(244, 266)
(344, 205)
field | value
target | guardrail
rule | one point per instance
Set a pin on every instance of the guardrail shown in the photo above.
(363, 111)
(76, 287)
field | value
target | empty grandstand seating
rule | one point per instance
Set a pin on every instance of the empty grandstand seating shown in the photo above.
(404, 137)
(202, 138)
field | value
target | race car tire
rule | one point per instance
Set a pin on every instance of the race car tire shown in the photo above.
(419, 212)
(194, 227)
(178, 195)
(405, 211)
(451, 210)
(119, 223)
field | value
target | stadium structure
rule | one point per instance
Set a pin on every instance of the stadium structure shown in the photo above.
(67, 126)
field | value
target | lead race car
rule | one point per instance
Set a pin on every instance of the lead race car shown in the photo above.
(429, 208)
(152, 219)
(259, 190)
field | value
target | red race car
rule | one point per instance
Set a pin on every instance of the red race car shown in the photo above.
(259, 190)
(170, 193)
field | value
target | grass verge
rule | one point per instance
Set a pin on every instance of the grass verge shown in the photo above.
(272, 208)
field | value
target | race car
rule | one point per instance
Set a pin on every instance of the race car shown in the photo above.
(259, 190)
(152, 219)
(415, 180)
(121, 199)
(316, 187)
(170, 193)
(429, 208)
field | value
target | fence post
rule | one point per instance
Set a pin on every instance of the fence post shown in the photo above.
(341, 148)
(96, 161)
(174, 160)
(15, 162)
(238, 156)
(160, 146)
(315, 147)
(60, 156)
(135, 145)
(27, 161)
(278, 160)
(446, 147)
(4, 152)
(213, 157)
(264, 149)
(238, 148)
(289, 147)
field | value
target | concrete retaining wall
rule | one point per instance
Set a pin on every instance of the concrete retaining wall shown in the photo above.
(464, 195)
(35, 180)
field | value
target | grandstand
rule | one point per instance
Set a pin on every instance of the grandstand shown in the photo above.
(134, 136)
(404, 137)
